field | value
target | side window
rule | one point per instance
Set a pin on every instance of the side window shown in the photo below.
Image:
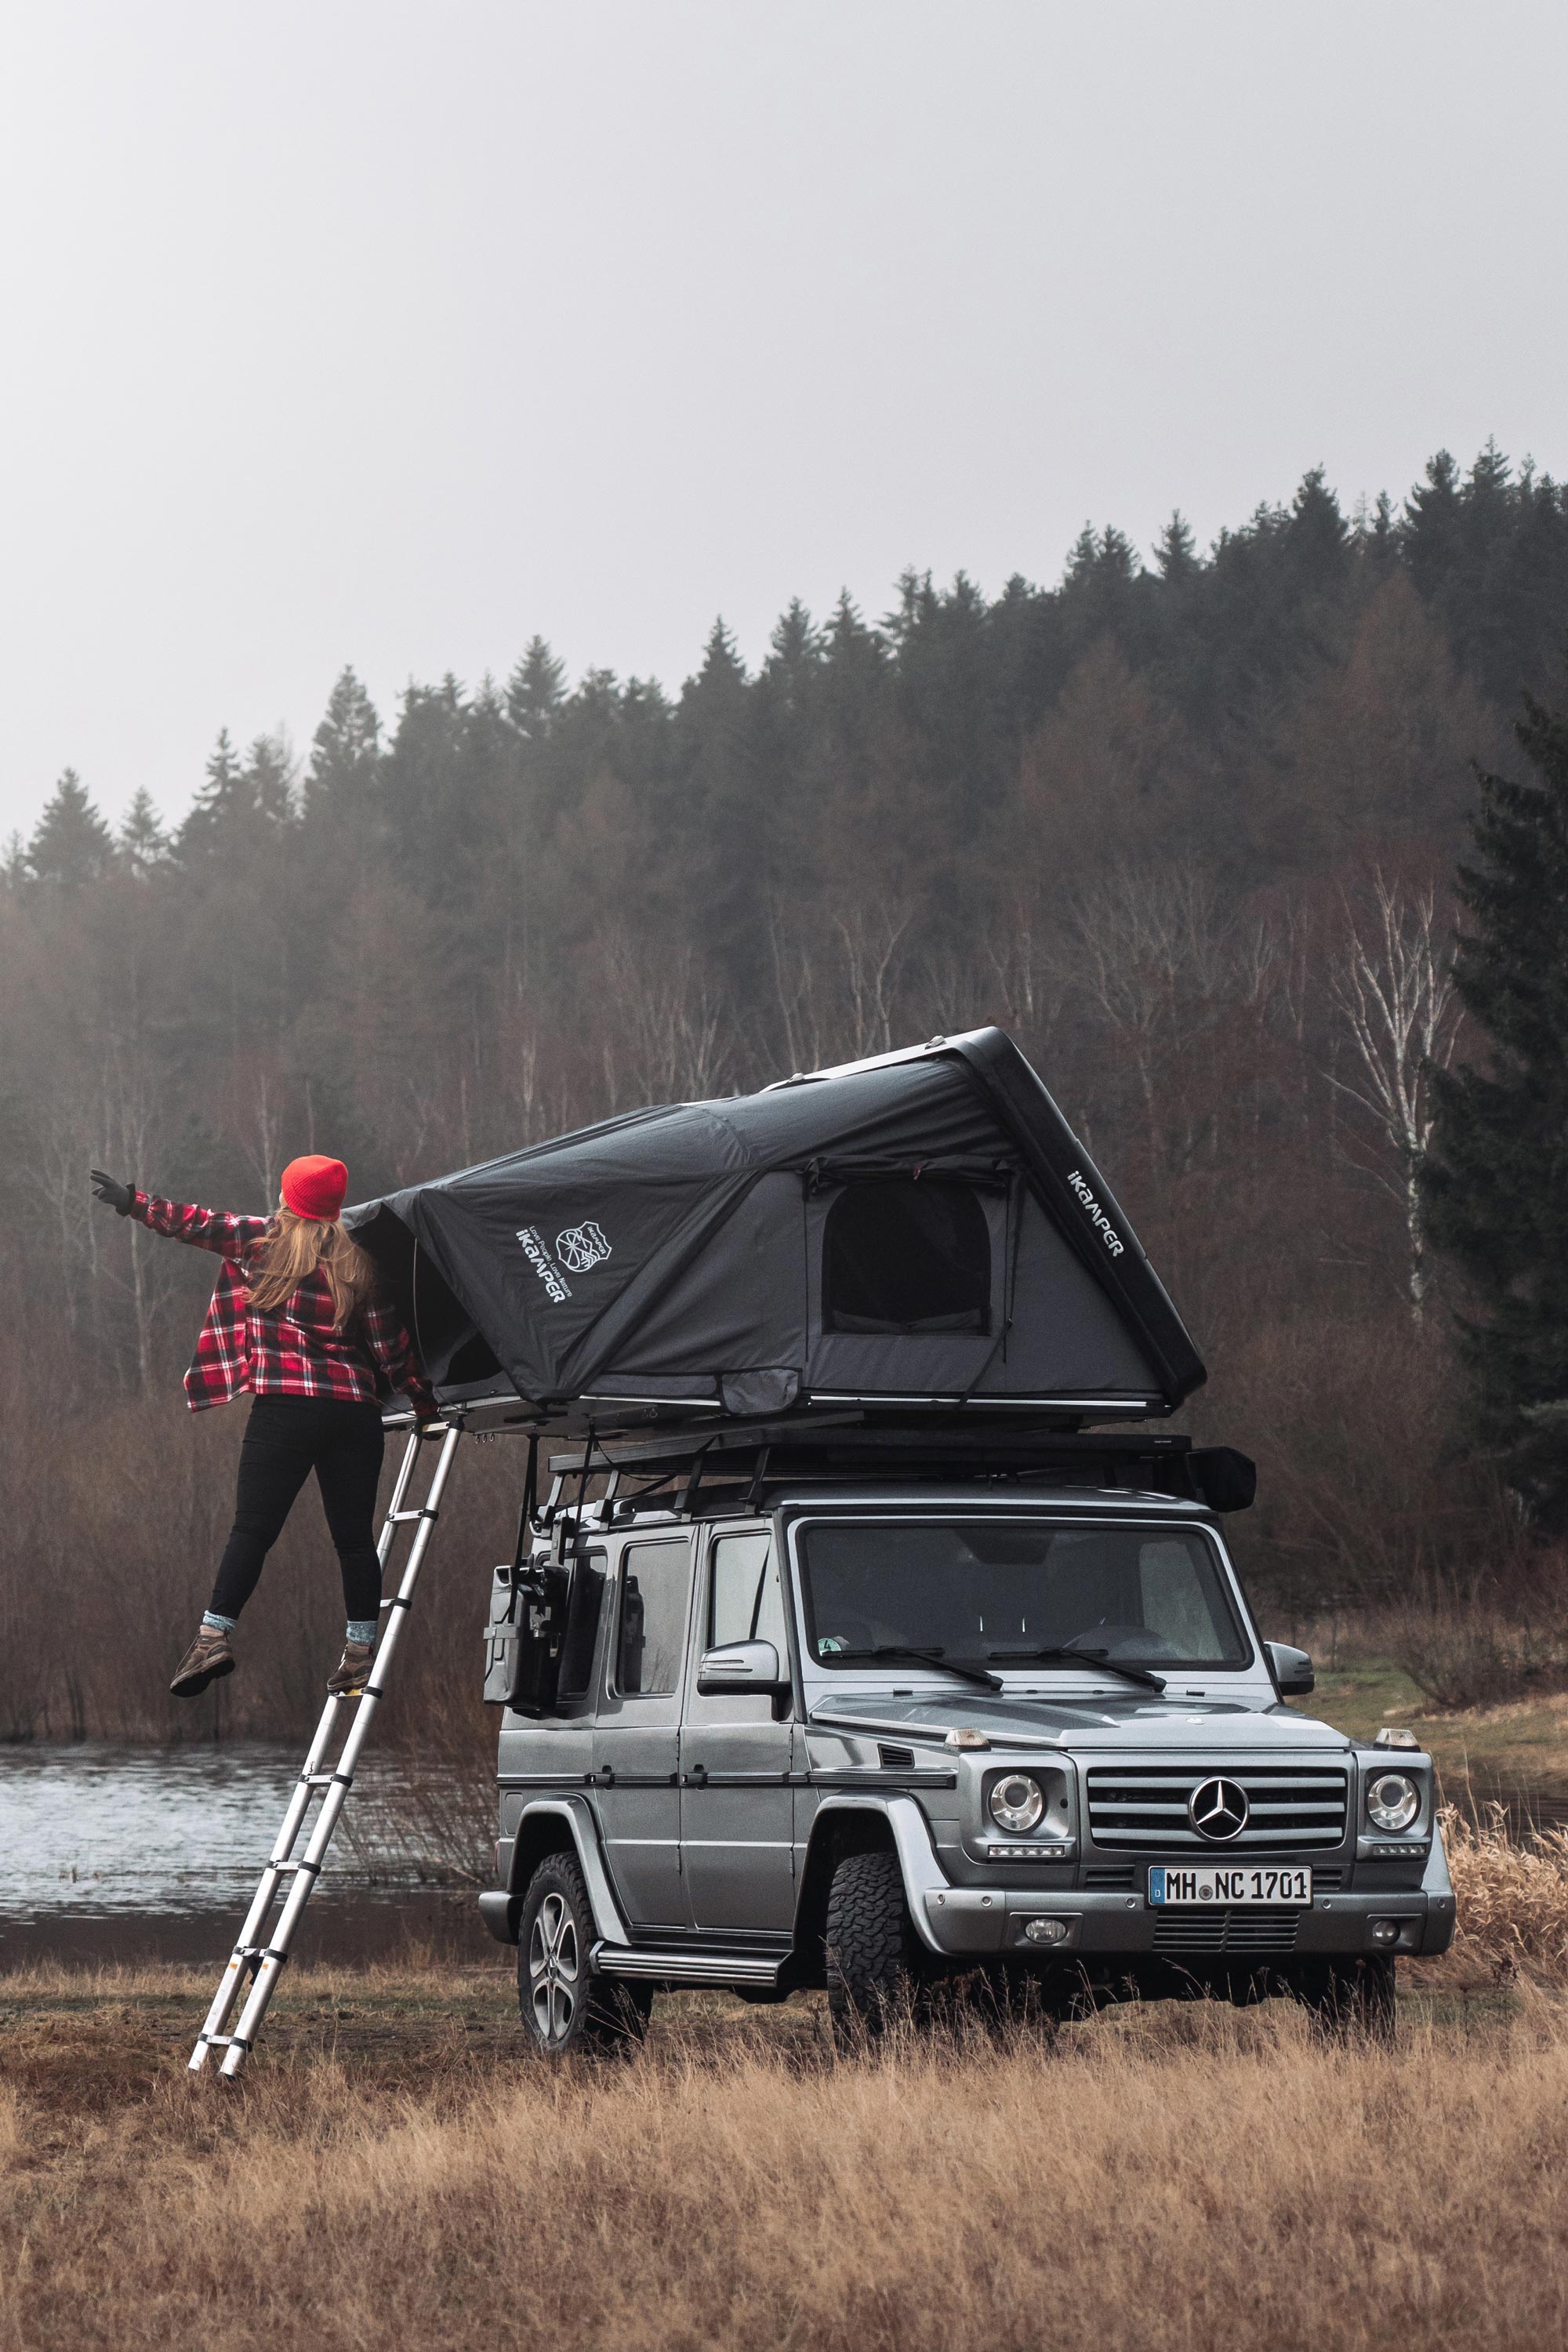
(899, 1256)
(747, 1601)
(581, 1627)
(650, 1640)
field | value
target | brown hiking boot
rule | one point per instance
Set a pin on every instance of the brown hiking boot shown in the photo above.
(348, 1675)
(207, 1660)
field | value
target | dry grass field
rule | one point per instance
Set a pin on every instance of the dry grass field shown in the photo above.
(395, 2170)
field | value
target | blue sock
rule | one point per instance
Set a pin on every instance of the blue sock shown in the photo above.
(363, 1629)
(218, 1625)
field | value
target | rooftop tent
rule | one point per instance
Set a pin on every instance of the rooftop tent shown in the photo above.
(920, 1229)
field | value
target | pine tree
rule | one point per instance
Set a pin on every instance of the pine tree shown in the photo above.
(1175, 550)
(1493, 1183)
(1317, 535)
(71, 844)
(535, 690)
(795, 646)
(268, 781)
(143, 843)
(1434, 527)
(216, 800)
(345, 750)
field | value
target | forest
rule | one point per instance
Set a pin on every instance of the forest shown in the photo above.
(1187, 827)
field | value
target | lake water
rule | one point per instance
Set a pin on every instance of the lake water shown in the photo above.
(137, 1854)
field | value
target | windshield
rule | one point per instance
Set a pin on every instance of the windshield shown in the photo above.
(991, 1593)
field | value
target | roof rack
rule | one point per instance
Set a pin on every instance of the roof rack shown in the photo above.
(849, 1444)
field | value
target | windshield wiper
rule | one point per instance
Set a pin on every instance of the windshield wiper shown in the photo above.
(1082, 1657)
(892, 1650)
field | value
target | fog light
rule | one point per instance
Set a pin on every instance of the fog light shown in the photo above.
(1385, 1931)
(1045, 1931)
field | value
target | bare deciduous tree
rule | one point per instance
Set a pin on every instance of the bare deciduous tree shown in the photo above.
(1392, 986)
(1152, 957)
(871, 940)
(673, 1040)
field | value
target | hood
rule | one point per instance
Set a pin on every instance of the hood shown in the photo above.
(1217, 1725)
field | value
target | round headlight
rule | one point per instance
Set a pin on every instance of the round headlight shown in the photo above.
(1016, 1803)
(1391, 1802)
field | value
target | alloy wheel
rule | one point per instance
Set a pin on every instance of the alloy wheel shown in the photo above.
(554, 1968)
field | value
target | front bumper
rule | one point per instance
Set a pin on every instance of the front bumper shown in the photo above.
(969, 1921)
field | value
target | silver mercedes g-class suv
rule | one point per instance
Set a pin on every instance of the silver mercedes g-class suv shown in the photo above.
(876, 1734)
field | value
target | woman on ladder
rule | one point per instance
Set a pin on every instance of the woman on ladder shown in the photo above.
(296, 1318)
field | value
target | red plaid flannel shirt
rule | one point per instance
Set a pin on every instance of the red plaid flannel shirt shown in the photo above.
(292, 1349)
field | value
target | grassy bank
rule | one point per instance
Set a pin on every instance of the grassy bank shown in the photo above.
(396, 2170)
(1515, 1747)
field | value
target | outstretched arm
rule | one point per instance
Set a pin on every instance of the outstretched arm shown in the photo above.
(208, 1229)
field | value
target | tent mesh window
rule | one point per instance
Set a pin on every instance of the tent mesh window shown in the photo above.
(906, 1254)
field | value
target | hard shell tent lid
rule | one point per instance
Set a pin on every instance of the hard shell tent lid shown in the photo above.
(921, 1229)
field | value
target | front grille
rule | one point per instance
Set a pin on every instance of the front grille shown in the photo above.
(1110, 1873)
(1142, 1808)
(1226, 1931)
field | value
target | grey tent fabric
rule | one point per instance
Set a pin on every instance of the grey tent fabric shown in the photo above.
(920, 1227)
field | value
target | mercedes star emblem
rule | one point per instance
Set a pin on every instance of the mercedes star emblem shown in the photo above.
(1218, 1808)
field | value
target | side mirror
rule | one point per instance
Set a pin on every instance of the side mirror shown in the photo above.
(1292, 1670)
(741, 1666)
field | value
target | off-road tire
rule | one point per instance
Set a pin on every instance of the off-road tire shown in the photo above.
(1351, 1997)
(567, 2008)
(874, 1961)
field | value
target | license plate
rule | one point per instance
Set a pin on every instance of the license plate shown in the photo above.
(1254, 1884)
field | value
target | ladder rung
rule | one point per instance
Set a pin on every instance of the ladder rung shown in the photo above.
(326, 1780)
(396, 1518)
(398, 1602)
(311, 1869)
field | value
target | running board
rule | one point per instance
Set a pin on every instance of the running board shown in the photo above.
(685, 1968)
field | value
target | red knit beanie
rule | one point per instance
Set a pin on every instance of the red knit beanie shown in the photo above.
(315, 1186)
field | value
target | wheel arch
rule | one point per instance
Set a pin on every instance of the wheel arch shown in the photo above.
(564, 1825)
(862, 1824)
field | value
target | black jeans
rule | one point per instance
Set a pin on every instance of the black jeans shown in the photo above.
(287, 1438)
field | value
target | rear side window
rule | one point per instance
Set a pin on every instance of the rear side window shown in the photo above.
(747, 1603)
(581, 1627)
(655, 1586)
(906, 1254)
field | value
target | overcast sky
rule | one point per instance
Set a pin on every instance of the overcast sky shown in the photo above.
(391, 333)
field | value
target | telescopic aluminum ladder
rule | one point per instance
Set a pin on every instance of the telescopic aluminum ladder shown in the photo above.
(262, 1950)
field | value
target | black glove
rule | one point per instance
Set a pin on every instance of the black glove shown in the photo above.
(113, 1195)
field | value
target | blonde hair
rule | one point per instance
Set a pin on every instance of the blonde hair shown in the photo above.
(295, 1248)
